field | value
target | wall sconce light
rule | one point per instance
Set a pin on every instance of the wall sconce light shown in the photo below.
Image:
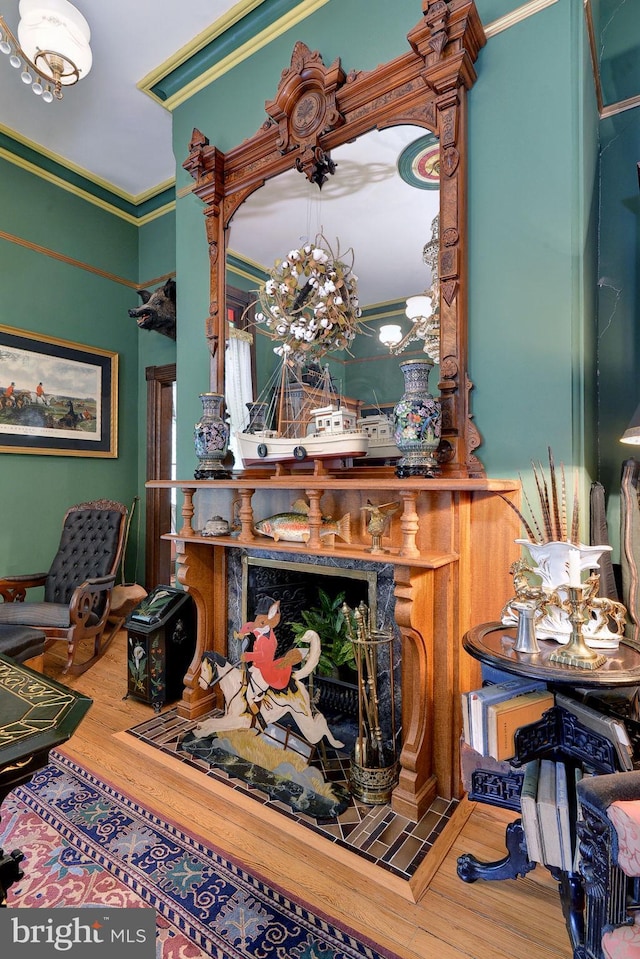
(632, 433)
(52, 46)
(423, 309)
(390, 335)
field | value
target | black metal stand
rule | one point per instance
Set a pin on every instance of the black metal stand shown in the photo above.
(515, 863)
(10, 872)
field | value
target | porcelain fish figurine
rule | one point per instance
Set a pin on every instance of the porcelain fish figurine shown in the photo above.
(293, 527)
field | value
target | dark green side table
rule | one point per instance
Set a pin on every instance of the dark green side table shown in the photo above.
(37, 714)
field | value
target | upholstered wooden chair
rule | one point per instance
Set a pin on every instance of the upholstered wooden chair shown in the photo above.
(609, 837)
(78, 586)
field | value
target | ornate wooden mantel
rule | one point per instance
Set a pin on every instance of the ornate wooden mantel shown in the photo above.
(451, 545)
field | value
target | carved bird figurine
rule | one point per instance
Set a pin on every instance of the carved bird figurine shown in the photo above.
(380, 516)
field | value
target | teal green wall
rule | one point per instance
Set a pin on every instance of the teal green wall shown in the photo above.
(618, 298)
(532, 190)
(47, 294)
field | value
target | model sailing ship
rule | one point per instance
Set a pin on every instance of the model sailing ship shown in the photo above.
(304, 430)
(310, 305)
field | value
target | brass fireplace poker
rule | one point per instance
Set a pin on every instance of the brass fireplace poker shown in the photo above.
(374, 768)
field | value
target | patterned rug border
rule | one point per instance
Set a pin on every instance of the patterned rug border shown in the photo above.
(358, 945)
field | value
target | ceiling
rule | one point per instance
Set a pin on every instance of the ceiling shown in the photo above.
(105, 125)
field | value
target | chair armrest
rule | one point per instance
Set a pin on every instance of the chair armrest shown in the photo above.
(91, 598)
(600, 791)
(13, 588)
(606, 885)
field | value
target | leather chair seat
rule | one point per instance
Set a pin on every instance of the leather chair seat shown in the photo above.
(21, 642)
(53, 615)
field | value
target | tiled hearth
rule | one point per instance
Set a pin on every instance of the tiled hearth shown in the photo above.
(375, 833)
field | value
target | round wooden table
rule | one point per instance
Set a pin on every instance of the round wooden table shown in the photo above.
(492, 643)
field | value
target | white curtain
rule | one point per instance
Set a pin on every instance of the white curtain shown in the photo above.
(238, 384)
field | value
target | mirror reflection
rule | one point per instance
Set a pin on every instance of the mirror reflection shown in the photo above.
(378, 210)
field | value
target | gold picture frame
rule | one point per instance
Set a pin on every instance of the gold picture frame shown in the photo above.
(57, 398)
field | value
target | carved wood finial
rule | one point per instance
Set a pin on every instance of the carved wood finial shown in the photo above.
(305, 108)
(198, 140)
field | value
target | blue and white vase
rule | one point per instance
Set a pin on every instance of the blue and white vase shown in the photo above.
(211, 438)
(417, 419)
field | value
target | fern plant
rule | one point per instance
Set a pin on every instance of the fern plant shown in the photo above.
(330, 623)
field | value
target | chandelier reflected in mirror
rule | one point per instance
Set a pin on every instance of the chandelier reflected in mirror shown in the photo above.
(52, 49)
(423, 309)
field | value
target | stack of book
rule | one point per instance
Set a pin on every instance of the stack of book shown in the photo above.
(607, 726)
(491, 715)
(546, 804)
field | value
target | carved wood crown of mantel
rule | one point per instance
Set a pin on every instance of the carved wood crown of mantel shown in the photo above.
(318, 107)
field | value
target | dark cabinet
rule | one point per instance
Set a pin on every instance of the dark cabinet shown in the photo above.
(160, 645)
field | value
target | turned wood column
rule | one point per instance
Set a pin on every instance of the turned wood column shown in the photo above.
(417, 785)
(202, 570)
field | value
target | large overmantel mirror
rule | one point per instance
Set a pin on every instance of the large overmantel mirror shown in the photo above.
(316, 110)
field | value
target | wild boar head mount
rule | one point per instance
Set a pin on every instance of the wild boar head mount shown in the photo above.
(158, 310)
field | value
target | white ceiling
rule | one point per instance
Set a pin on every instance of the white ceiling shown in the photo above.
(104, 125)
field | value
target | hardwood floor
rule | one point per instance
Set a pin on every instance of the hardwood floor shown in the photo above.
(513, 919)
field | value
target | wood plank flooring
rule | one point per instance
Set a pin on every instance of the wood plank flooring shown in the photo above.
(513, 919)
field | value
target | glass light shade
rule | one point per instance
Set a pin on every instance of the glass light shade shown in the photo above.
(47, 95)
(632, 433)
(26, 77)
(15, 61)
(5, 46)
(419, 307)
(37, 88)
(390, 334)
(56, 26)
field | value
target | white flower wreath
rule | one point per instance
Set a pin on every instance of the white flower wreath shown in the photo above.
(310, 302)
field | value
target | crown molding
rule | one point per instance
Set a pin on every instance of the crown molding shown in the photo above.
(173, 84)
(516, 16)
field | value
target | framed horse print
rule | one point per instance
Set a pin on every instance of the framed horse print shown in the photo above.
(56, 397)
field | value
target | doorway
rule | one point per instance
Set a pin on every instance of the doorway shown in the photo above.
(160, 503)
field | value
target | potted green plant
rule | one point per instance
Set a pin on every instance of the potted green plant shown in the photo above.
(327, 618)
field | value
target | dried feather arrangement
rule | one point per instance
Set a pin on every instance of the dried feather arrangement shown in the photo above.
(552, 524)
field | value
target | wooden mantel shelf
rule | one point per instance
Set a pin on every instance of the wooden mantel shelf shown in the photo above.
(346, 480)
(450, 543)
(426, 560)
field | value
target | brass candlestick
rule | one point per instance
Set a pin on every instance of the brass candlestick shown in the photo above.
(576, 652)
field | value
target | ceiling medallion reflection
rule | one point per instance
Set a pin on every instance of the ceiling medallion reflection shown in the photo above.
(419, 163)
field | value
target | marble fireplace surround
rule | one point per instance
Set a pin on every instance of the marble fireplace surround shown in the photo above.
(449, 551)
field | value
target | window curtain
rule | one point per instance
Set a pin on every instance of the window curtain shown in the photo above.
(238, 384)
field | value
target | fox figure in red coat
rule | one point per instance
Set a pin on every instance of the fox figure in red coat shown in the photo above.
(275, 672)
(262, 688)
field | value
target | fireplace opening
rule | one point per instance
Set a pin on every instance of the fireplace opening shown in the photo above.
(296, 586)
(295, 583)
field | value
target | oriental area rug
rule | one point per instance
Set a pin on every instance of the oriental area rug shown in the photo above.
(87, 844)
